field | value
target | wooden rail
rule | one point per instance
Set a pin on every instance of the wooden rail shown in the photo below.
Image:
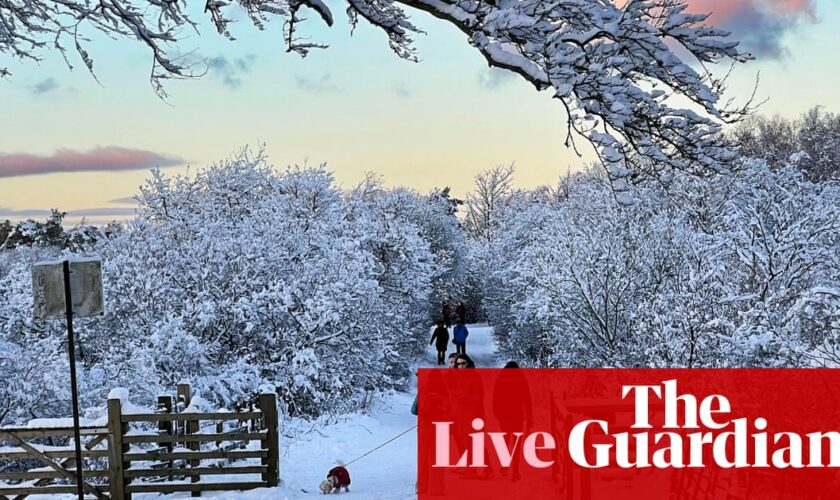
(47, 454)
(29, 432)
(181, 417)
(163, 452)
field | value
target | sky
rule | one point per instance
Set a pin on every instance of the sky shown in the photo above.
(85, 145)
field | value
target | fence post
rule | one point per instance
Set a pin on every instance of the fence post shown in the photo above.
(182, 401)
(220, 429)
(268, 406)
(164, 405)
(116, 479)
(190, 427)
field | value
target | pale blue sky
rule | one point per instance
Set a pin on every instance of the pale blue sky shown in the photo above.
(355, 106)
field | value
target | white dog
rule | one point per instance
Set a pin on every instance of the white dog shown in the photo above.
(337, 478)
(327, 485)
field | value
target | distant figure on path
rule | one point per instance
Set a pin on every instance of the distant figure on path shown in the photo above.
(461, 312)
(446, 311)
(441, 339)
(459, 338)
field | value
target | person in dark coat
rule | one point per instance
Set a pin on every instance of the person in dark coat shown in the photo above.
(446, 311)
(461, 312)
(459, 338)
(512, 406)
(441, 339)
(468, 402)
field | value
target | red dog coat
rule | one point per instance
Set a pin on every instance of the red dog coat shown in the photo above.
(341, 475)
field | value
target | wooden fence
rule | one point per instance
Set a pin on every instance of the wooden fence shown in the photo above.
(57, 462)
(170, 451)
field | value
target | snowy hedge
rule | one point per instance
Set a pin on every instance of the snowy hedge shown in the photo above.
(243, 275)
(736, 270)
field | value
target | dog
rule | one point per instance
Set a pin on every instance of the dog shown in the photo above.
(337, 478)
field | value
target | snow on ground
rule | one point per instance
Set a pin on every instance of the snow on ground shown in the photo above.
(388, 473)
(480, 346)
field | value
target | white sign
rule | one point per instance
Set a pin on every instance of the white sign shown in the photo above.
(85, 288)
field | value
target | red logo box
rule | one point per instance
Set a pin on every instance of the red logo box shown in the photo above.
(629, 433)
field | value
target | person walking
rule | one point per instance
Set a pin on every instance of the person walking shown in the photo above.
(446, 312)
(461, 312)
(459, 338)
(512, 406)
(441, 338)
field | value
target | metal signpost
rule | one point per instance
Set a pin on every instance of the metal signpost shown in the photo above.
(66, 288)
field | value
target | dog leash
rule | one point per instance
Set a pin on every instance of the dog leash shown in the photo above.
(383, 444)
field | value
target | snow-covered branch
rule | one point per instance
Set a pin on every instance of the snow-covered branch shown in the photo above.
(616, 69)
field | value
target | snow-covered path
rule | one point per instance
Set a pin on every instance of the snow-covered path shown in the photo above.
(480, 346)
(388, 473)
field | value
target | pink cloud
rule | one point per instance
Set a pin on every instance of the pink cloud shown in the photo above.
(104, 159)
(725, 10)
(758, 24)
(720, 10)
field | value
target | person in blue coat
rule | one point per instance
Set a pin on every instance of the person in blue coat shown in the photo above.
(459, 337)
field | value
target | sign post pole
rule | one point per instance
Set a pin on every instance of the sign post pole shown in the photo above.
(67, 288)
(71, 351)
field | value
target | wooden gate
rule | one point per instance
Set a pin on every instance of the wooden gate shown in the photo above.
(168, 451)
(54, 462)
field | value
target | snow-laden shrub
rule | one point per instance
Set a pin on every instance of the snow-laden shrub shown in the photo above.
(734, 270)
(243, 275)
(374, 208)
(33, 354)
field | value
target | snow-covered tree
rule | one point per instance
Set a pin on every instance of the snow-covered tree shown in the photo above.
(486, 205)
(49, 233)
(737, 270)
(633, 77)
(242, 275)
(33, 356)
(6, 229)
(811, 142)
(779, 236)
(433, 218)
